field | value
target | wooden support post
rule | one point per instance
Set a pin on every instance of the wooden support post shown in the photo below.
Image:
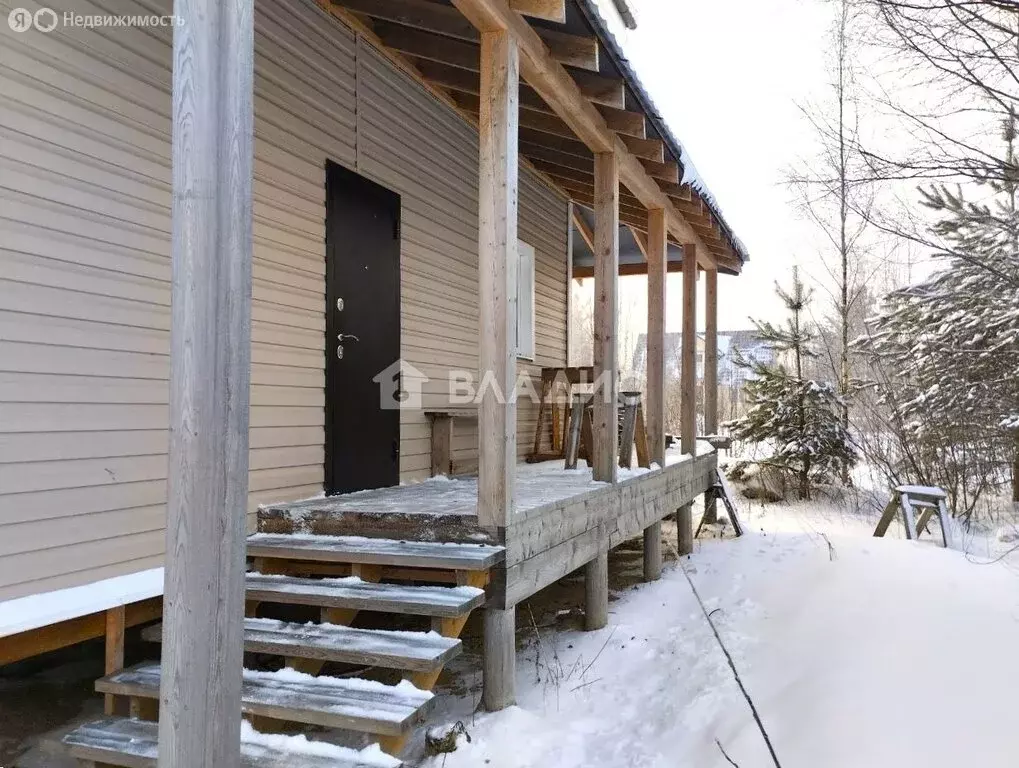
(688, 386)
(710, 375)
(497, 273)
(210, 374)
(500, 659)
(596, 589)
(656, 268)
(653, 552)
(606, 279)
(116, 623)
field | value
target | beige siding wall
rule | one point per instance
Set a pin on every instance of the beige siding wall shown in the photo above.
(84, 272)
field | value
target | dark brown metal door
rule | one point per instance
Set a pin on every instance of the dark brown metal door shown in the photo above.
(362, 332)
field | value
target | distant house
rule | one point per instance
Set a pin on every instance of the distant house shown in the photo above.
(751, 346)
(729, 373)
(673, 356)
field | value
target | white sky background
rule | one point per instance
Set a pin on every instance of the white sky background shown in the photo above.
(727, 76)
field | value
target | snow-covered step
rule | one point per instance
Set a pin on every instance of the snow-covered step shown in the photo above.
(332, 702)
(356, 594)
(416, 651)
(133, 744)
(358, 549)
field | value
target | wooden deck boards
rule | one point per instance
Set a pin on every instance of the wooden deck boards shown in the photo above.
(331, 702)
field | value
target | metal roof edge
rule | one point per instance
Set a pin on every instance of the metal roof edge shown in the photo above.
(592, 14)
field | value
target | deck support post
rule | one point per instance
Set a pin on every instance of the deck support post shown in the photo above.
(210, 372)
(606, 282)
(500, 658)
(497, 272)
(688, 386)
(596, 589)
(653, 552)
(710, 373)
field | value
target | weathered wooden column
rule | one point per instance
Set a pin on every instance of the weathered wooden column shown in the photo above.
(710, 372)
(605, 461)
(606, 292)
(688, 385)
(210, 372)
(497, 273)
(654, 407)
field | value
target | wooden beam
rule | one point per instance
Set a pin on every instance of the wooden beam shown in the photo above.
(419, 14)
(627, 269)
(710, 373)
(210, 382)
(656, 302)
(641, 239)
(571, 50)
(445, 26)
(688, 387)
(711, 352)
(34, 642)
(549, 10)
(116, 624)
(667, 171)
(551, 80)
(600, 89)
(596, 592)
(645, 149)
(560, 143)
(424, 45)
(622, 121)
(557, 158)
(606, 353)
(500, 658)
(497, 254)
(538, 121)
(585, 231)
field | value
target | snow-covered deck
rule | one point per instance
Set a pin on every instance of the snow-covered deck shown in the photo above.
(561, 519)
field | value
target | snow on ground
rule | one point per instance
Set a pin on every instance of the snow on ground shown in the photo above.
(857, 652)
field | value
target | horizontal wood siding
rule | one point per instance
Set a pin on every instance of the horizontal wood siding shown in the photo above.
(85, 282)
(414, 144)
(84, 272)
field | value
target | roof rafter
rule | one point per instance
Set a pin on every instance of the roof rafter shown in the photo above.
(559, 91)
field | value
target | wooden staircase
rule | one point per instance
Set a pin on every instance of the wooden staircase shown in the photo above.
(342, 577)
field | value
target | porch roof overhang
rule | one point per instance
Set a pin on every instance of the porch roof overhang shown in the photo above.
(578, 95)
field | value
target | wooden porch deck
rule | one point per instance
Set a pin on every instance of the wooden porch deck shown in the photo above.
(562, 518)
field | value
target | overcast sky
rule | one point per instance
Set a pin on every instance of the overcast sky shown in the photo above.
(727, 76)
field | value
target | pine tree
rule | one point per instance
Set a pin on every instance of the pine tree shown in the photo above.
(949, 346)
(797, 418)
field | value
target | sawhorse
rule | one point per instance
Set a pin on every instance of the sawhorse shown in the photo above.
(930, 500)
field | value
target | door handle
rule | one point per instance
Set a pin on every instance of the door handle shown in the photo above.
(344, 336)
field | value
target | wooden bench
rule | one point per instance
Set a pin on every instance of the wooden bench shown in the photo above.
(442, 435)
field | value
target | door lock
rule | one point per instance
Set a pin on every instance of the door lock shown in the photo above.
(339, 351)
(339, 305)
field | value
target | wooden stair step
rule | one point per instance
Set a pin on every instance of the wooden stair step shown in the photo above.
(133, 744)
(358, 549)
(416, 651)
(354, 593)
(332, 702)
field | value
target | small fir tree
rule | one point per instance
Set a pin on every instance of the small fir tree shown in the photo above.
(798, 419)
